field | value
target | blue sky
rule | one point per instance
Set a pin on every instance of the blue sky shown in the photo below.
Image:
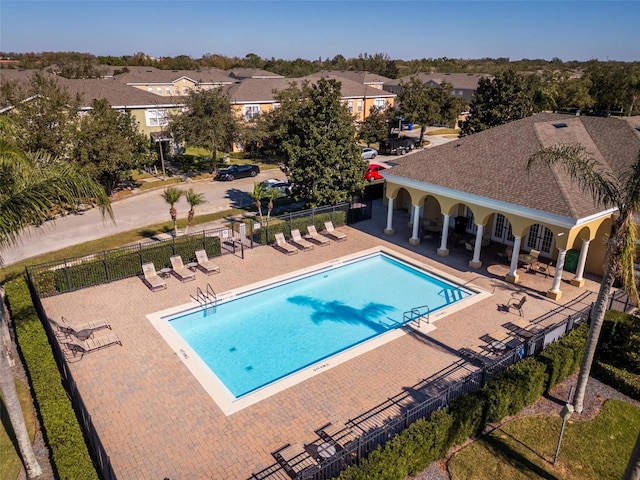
(409, 29)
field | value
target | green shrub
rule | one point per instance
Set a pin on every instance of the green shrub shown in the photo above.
(563, 356)
(70, 455)
(619, 378)
(426, 441)
(469, 416)
(619, 342)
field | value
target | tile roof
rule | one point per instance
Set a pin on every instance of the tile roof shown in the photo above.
(492, 164)
(152, 75)
(261, 90)
(357, 76)
(116, 93)
(350, 88)
(241, 73)
(466, 81)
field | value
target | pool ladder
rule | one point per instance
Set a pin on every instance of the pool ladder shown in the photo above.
(207, 300)
(416, 315)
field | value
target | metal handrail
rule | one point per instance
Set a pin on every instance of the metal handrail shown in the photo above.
(416, 315)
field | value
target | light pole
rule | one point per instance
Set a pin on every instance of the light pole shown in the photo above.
(565, 414)
(159, 141)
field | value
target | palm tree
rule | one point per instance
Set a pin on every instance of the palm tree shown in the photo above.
(621, 191)
(32, 186)
(194, 199)
(257, 194)
(271, 194)
(172, 195)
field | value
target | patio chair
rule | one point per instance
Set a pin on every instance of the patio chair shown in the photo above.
(180, 271)
(151, 277)
(84, 329)
(77, 346)
(517, 303)
(468, 246)
(298, 241)
(315, 237)
(206, 265)
(544, 267)
(282, 245)
(332, 233)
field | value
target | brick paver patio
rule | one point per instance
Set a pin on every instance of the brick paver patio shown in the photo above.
(156, 421)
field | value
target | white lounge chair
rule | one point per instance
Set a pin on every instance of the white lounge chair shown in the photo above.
(332, 233)
(315, 237)
(298, 241)
(282, 245)
(84, 329)
(91, 344)
(206, 265)
(180, 271)
(151, 277)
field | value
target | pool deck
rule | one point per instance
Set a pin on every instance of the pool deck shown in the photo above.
(156, 421)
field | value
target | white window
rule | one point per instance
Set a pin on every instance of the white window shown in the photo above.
(250, 112)
(380, 103)
(159, 90)
(150, 89)
(359, 106)
(167, 90)
(275, 106)
(176, 90)
(156, 117)
(185, 90)
(350, 105)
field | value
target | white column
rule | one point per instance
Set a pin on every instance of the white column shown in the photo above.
(475, 262)
(578, 280)
(512, 276)
(389, 230)
(555, 292)
(415, 239)
(443, 251)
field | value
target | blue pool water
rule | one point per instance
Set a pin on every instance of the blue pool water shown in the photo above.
(263, 336)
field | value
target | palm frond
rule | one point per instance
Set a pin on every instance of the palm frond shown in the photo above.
(627, 235)
(584, 169)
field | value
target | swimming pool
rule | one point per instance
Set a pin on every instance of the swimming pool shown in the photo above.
(270, 332)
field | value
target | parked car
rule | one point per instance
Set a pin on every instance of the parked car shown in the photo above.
(374, 172)
(397, 145)
(369, 153)
(237, 171)
(283, 186)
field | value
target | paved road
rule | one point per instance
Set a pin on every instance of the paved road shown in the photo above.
(145, 208)
(148, 208)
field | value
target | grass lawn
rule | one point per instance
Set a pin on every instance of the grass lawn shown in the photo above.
(10, 463)
(524, 448)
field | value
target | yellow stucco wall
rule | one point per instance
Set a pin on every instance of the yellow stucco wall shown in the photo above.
(435, 205)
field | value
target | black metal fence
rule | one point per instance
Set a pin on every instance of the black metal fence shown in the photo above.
(53, 278)
(354, 440)
(97, 451)
(263, 232)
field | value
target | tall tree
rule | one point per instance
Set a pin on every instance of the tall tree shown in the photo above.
(172, 195)
(497, 101)
(426, 104)
(193, 199)
(208, 121)
(375, 127)
(32, 186)
(622, 192)
(315, 134)
(45, 114)
(109, 144)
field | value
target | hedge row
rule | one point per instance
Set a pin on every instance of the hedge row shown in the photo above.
(70, 455)
(266, 234)
(426, 441)
(620, 379)
(120, 263)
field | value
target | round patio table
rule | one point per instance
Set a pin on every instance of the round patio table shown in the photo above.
(326, 450)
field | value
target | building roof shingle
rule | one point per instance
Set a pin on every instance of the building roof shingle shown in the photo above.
(492, 164)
